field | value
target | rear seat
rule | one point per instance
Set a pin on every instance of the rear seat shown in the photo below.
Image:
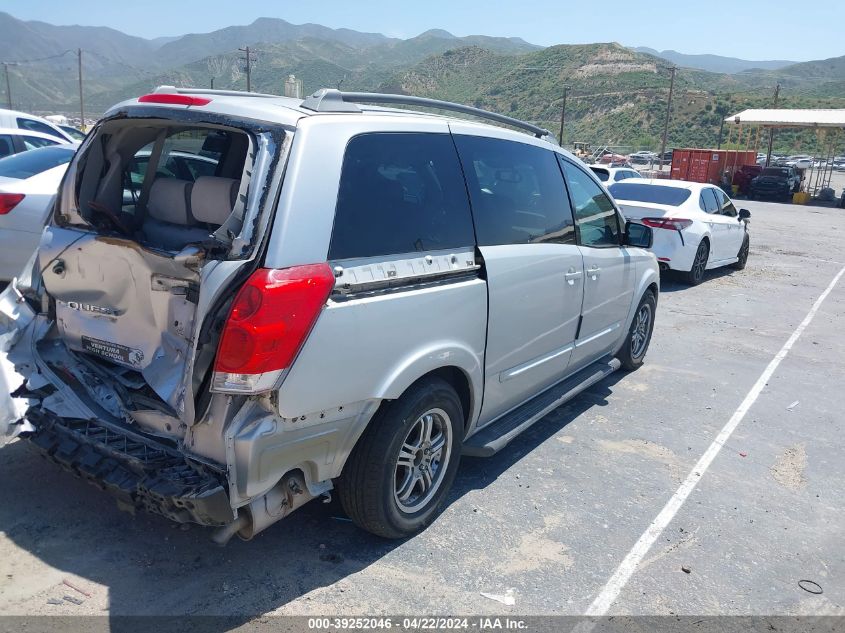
(180, 212)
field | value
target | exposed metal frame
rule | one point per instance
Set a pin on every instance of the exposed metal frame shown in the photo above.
(331, 100)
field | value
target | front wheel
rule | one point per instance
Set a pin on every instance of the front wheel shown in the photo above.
(636, 343)
(742, 256)
(397, 477)
(699, 264)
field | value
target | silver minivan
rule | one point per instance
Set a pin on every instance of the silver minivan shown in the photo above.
(244, 301)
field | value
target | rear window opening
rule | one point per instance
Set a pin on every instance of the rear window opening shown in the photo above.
(166, 185)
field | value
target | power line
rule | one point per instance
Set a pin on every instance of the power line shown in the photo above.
(16, 62)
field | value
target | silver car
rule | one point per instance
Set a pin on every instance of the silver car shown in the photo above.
(354, 298)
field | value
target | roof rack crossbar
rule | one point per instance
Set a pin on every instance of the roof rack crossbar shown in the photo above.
(330, 100)
(206, 91)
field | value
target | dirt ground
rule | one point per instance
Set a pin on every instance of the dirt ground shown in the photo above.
(548, 520)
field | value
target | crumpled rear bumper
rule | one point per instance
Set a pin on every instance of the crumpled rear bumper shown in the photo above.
(139, 472)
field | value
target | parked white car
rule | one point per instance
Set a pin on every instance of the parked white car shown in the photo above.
(32, 123)
(609, 175)
(28, 185)
(696, 226)
(799, 161)
(14, 141)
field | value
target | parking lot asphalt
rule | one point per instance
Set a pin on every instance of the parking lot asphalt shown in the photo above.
(550, 518)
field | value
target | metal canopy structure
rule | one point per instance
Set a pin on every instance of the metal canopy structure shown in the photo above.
(782, 117)
(828, 124)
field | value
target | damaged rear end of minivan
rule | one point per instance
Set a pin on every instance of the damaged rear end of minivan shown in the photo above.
(122, 359)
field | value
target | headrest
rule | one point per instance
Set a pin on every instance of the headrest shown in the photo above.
(213, 198)
(168, 200)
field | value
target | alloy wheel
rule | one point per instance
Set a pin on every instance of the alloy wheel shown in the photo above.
(423, 460)
(640, 331)
(700, 263)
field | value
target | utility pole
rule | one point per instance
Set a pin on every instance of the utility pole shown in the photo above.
(8, 85)
(81, 101)
(668, 113)
(245, 50)
(212, 83)
(562, 116)
(772, 130)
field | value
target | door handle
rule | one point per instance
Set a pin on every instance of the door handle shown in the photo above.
(571, 276)
(593, 273)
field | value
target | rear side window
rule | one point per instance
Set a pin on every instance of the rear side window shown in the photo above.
(31, 142)
(6, 146)
(400, 193)
(36, 126)
(517, 191)
(601, 174)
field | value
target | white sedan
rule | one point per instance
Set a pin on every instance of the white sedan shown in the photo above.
(696, 226)
(609, 175)
(28, 185)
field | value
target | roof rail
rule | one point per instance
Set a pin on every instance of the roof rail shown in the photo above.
(330, 100)
(205, 91)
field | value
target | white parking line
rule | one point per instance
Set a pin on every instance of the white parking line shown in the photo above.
(601, 605)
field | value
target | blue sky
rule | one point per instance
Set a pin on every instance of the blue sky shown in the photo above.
(751, 29)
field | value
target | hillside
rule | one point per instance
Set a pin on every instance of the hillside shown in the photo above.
(617, 96)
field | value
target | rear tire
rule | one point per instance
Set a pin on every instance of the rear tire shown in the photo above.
(742, 256)
(397, 478)
(636, 343)
(699, 264)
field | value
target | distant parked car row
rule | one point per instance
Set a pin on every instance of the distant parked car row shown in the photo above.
(31, 123)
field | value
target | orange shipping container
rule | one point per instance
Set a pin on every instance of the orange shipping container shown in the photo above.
(708, 165)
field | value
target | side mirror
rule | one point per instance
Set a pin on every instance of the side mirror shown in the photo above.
(638, 235)
(744, 214)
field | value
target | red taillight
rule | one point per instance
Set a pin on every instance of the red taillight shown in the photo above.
(268, 322)
(9, 201)
(174, 99)
(673, 224)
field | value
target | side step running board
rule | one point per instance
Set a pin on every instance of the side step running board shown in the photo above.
(492, 438)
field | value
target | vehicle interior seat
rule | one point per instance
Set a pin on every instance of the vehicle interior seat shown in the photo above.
(169, 223)
(212, 199)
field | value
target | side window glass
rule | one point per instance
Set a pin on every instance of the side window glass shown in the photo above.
(517, 191)
(35, 126)
(726, 207)
(597, 220)
(711, 204)
(31, 142)
(6, 146)
(400, 193)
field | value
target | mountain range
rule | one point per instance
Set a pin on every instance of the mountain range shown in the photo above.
(715, 63)
(617, 94)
